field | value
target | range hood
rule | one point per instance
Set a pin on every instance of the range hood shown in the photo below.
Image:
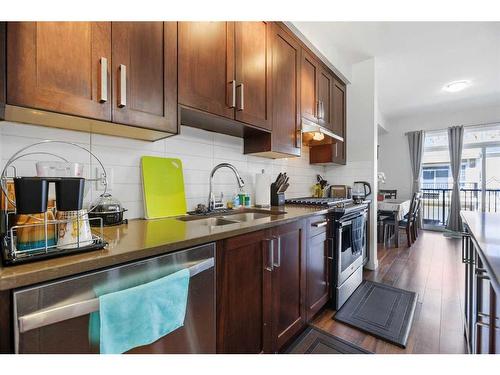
(317, 130)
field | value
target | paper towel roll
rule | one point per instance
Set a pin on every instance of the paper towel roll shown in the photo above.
(262, 190)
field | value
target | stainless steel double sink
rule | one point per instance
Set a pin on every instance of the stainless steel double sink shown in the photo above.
(237, 216)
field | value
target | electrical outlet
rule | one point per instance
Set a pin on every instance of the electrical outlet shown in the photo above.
(99, 184)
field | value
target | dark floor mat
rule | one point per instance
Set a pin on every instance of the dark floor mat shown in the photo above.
(315, 341)
(380, 310)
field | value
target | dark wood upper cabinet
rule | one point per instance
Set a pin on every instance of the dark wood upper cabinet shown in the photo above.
(332, 152)
(56, 66)
(206, 67)
(317, 273)
(244, 294)
(339, 108)
(289, 312)
(285, 91)
(325, 98)
(144, 74)
(252, 72)
(309, 87)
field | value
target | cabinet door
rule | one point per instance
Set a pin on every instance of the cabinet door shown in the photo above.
(325, 98)
(206, 67)
(289, 313)
(244, 294)
(317, 274)
(286, 93)
(339, 152)
(339, 109)
(308, 84)
(145, 74)
(253, 77)
(56, 66)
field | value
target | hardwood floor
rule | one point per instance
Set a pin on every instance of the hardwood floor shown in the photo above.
(431, 267)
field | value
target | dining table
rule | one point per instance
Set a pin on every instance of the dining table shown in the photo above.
(396, 208)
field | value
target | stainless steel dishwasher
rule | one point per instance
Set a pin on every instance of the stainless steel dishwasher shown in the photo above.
(55, 317)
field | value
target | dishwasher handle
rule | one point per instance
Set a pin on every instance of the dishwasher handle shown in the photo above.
(58, 314)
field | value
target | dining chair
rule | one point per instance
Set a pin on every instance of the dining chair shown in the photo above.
(409, 223)
(389, 194)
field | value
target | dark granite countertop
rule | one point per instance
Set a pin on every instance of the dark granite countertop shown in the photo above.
(484, 227)
(141, 239)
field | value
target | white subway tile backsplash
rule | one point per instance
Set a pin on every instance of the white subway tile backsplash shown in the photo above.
(199, 151)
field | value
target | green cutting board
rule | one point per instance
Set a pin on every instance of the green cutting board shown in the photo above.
(163, 187)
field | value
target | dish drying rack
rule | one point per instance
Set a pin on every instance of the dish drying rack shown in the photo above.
(48, 247)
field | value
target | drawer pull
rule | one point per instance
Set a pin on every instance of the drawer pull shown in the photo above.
(320, 224)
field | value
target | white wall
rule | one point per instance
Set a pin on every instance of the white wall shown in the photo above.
(361, 165)
(199, 151)
(394, 158)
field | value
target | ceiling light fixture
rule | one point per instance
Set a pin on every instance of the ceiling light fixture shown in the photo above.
(456, 86)
(318, 136)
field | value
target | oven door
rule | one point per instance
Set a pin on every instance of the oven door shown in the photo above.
(348, 261)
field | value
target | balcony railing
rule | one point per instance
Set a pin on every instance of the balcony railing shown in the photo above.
(436, 203)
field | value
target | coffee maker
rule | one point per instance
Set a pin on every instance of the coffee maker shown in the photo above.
(360, 190)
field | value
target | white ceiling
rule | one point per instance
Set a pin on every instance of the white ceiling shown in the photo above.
(414, 60)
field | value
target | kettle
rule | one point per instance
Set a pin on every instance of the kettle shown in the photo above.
(360, 190)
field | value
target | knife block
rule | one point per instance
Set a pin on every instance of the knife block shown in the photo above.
(277, 199)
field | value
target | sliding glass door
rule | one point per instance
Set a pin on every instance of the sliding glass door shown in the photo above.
(479, 174)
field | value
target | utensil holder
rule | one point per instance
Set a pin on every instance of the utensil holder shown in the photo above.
(32, 194)
(69, 193)
(277, 199)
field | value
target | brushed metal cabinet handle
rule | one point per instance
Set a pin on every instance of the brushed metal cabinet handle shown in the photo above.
(241, 105)
(278, 263)
(103, 81)
(330, 249)
(122, 86)
(270, 259)
(318, 110)
(320, 224)
(233, 94)
(322, 108)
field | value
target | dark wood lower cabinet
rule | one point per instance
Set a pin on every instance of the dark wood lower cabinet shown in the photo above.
(481, 308)
(317, 274)
(243, 294)
(261, 289)
(6, 329)
(289, 310)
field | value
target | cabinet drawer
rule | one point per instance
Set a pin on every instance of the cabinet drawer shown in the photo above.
(317, 224)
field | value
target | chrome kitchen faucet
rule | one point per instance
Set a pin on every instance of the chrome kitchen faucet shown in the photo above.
(212, 203)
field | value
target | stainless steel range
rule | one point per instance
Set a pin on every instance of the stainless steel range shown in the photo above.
(347, 219)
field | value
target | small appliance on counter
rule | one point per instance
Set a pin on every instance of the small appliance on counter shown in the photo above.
(109, 209)
(360, 191)
(35, 226)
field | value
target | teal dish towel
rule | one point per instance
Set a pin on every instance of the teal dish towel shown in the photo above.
(143, 314)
